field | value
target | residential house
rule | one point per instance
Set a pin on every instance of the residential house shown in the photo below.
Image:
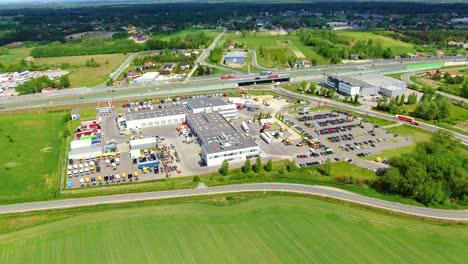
(187, 54)
(196, 52)
(148, 64)
(29, 59)
(231, 45)
(120, 82)
(304, 63)
(133, 74)
(184, 65)
(431, 74)
(452, 74)
(440, 53)
(169, 66)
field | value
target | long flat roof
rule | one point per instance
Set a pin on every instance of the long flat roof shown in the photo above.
(202, 102)
(218, 133)
(236, 54)
(160, 112)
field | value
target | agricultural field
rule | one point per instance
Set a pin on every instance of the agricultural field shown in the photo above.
(280, 228)
(278, 48)
(14, 55)
(212, 33)
(88, 76)
(397, 46)
(31, 149)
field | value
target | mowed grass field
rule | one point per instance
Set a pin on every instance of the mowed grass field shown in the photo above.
(285, 44)
(212, 33)
(397, 46)
(30, 147)
(80, 74)
(87, 76)
(235, 229)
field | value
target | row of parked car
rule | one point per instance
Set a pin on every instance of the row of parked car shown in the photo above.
(340, 138)
(338, 121)
(332, 130)
(309, 164)
(90, 181)
(316, 117)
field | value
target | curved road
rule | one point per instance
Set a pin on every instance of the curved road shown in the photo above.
(447, 215)
(407, 78)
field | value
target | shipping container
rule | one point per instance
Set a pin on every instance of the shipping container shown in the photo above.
(265, 137)
(245, 127)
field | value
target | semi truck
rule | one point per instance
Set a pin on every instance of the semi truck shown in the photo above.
(265, 137)
(148, 164)
(407, 119)
(245, 127)
(228, 76)
(266, 73)
(83, 133)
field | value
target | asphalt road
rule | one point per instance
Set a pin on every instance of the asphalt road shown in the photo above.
(449, 215)
(406, 78)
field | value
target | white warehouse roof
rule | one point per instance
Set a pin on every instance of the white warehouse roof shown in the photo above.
(76, 144)
(145, 142)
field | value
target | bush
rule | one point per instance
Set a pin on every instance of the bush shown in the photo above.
(258, 165)
(269, 166)
(246, 168)
(224, 170)
(196, 179)
(291, 166)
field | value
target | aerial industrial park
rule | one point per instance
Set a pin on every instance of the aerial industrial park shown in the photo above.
(157, 131)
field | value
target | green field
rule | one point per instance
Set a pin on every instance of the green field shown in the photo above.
(83, 75)
(415, 133)
(398, 47)
(31, 148)
(15, 55)
(280, 47)
(212, 33)
(239, 228)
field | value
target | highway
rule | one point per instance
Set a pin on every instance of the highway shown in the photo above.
(430, 213)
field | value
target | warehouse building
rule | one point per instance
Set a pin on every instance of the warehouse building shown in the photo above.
(235, 57)
(143, 143)
(209, 105)
(219, 140)
(152, 118)
(367, 84)
(149, 77)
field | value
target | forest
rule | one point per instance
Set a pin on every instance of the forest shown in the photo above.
(434, 173)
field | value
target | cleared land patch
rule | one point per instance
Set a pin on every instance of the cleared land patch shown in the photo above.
(30, 149)
(234, 229)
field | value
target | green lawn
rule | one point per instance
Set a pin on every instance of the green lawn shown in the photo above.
(391, 153)
(236, 228)
(415, 133)
(15, 55)
(398, 47)
(277, 47)
(212, 33)
(31, 149)
(87, 76)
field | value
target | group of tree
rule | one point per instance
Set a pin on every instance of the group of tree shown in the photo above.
(216, 55)
(257, 167)
(164, 56)
(352, 99)
(328, 44)
(436, 109)
(35, 85)
(86, 47)
(454, 80)
(189, 41)
(434, 173)
(204, 70)
(391, 104)
(439, 37)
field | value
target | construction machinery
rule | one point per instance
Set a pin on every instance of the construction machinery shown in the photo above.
(287, 141)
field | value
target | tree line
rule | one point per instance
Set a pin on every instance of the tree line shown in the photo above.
(35, 85)
(434, 173)
(189, 41)
(328, 44)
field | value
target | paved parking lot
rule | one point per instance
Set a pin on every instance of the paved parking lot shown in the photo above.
(336, 136)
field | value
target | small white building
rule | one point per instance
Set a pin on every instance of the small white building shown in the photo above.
(77, 144)
(84, 153)
(148, 77)
(152, 118)
(208, 105)
(348, 89)
(143, 143)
